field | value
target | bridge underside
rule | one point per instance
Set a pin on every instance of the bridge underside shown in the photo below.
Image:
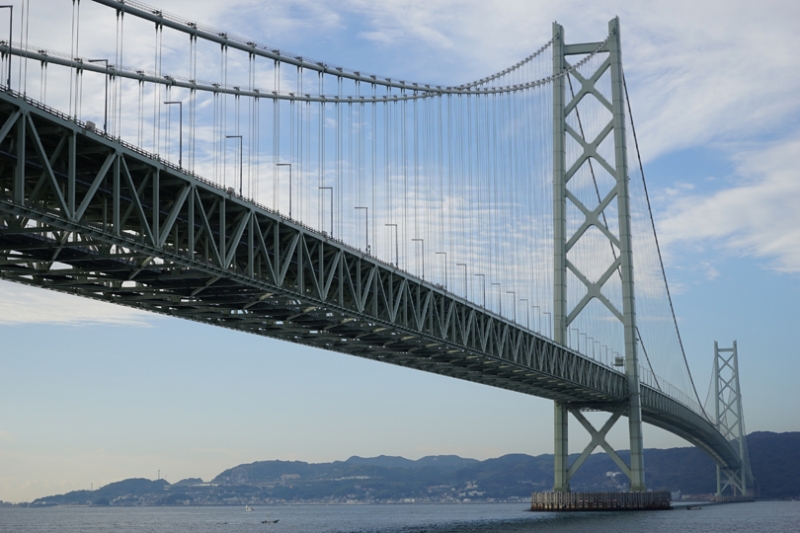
(90, 216)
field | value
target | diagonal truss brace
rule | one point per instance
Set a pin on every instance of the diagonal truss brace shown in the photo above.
(598, 439)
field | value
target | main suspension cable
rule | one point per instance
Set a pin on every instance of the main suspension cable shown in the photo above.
(658, 247)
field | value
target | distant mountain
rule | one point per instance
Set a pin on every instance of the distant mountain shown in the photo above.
(385, 461)
(775, 459)
(128, 492)
(449, 462)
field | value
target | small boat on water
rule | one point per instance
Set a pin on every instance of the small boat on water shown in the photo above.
(269, 521)
(248, 508)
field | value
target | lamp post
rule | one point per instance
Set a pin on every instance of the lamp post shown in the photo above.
(549, 323)
(105, 108)
(10, 28)
(290, 189)
(577, 338)
(499, 299)
(445, 267)
(320, 188)
(528, 310)
(465, 277)
(483, 277)
(180, 123)
(396, 246)
(240, 159)
(515, 303)
(366, 225)
(422, 241)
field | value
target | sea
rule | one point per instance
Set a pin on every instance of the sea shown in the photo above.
(758, 517)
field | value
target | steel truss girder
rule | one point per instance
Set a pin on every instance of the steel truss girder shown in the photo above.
(136, 231)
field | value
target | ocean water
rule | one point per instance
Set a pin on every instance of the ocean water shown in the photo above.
(761, 517)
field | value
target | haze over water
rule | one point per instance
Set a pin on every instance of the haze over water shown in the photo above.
(763, 517)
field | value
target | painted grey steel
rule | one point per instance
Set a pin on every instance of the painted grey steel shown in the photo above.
(637, 481)
(180, 132)
(623, 262)
(290, 191)
(10, 35)
(88, 215)
(729, 415)
(105, 105)
(158, 17)
(241, 171)
(417, 93)
(561, 411)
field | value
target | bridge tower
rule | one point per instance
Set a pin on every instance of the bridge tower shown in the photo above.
(729, 416)
(619, 239)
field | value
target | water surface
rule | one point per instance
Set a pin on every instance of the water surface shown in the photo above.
(764, 517)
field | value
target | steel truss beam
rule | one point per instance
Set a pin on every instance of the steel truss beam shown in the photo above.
(84, 214)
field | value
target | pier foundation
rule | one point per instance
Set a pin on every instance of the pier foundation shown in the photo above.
(600, 501)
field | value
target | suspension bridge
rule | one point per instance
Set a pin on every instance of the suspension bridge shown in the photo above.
(486, 231)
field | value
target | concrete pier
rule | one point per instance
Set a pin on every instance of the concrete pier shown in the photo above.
(600, 501)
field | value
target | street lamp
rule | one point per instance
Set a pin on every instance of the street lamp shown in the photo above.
(549, 323)
(366, 224)
(422, 241)
(445, 267)
(320, 188)
(240, 159)
(396, 246)
(499, 299)
(180, 123)
(528, 309)
(483, 278)
(10, 28)
(577, 337)
(290, 191)
(465, 277)
(105, 108)
(515, 303)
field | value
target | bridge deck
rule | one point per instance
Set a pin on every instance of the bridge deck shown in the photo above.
(92, 216)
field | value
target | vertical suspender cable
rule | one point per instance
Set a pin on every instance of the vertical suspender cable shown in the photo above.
(276, 143)
(72, 54)
(192, 102)
(321, 143)
(658, 247)
(27, 13)
(118, 84)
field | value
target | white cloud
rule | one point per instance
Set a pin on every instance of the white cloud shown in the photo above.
(757, 216)
(21, 304)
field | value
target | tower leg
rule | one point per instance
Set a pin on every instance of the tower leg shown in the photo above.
(561, 420)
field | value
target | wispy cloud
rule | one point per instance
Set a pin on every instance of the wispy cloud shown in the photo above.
(21, 304)
(757, 216)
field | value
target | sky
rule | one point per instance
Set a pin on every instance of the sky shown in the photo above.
(93, 393)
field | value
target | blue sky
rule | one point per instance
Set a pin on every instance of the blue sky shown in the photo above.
(94, 393)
